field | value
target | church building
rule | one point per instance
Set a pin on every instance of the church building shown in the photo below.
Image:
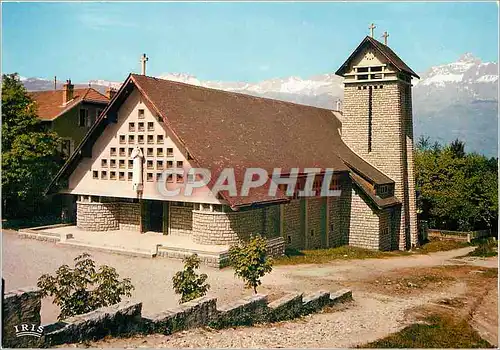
(153, 124)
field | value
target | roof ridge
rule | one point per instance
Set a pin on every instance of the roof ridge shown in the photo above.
(231, 92)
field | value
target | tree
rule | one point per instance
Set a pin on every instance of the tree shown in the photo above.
(188, 283)
(457, 147)
(84, 288)
(250, 261)
(31, 154)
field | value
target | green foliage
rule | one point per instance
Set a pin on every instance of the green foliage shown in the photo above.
(30, 152)
(84, 288)
(250, 261)
(455, 190)
(188, 283)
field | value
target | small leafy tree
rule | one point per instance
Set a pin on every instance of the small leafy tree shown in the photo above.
(84, 288)
(188, 283)
(250, 261)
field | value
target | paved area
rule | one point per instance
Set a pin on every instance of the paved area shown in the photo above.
(134, 240)
(372, 316)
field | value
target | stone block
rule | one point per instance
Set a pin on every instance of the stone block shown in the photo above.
(340, 296)
(244, 312)
(286, 308)
(315, 302)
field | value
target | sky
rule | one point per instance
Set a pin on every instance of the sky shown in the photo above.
(233, 41)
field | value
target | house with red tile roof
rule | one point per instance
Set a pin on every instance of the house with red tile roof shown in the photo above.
(69, 112)
(122, 173)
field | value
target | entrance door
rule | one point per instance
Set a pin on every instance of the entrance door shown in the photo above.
(156, 216)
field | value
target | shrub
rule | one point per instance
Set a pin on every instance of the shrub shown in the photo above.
(188, 283)
(250, 261)
(84, 288)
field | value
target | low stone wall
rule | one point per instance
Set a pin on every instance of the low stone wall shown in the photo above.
(276, 247)
(120, 319)
(124, 319)
(460, 236)
(92, 216)
(181, 220)
(21, 312)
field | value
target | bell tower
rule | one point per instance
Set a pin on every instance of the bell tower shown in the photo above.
(378, 123)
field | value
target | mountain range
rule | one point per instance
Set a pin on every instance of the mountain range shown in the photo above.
(454, 100)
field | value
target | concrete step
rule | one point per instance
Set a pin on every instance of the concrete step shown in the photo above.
(39, 236)
(142, 253)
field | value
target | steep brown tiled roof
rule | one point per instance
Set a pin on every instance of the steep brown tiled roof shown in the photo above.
(385, 50)
(222, 129)
(50, 106)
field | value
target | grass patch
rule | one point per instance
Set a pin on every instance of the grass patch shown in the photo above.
(438, 331)
(293, 256)
(485, 248)
(437, 245)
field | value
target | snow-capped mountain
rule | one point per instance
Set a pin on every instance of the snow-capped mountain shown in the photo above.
(458, 99)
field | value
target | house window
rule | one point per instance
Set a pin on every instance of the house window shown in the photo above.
(130, 164)
(112, 151)
(179, 163)
(151, 139)
(131, 126)
(140, 114)
(151, 126)
(104, 163)
(112, 163)
(312, 233)
(331, 227)
(159, 139)
(149, 177)
(121, 175)
(122, 151)
(150, 164)
(141, 126)
(159, 164)
(140, 139)
(104, 175)
(130, 150)
(112, 175)
(131, 139)
(150, 152)
(158, 177)
(170, 164)
(170, 178)
(159, 152)
(170, 152)
(84, 118)
(289, 239)
(129, 175)
(121, 163)
(95, 174)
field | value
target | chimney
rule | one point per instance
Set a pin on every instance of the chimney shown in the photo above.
(144, 59)
(67, 91)
(55, 82)
(110, 92)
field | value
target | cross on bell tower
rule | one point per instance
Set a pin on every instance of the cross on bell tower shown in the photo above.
(144, 59)
(372, 27)
(385, 36)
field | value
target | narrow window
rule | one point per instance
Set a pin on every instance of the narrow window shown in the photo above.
(140, 139)
(170, 152)
(131, 126)
(95, 174)
(112, 175)
(112, 163)
(104, 163)
(131, 139)
(170, 178)
(149, 177)
(170, 164)
(122, 151)
(158, 177)
(151, 139)
(159, 152)
(129, 175)
(121, 163)
(159, 164)
(149, 164)
(179, 164)
(104, 175)
(122, 139)
(151, 126)
(370, 102)
(150, 152)
(130, 150)
(112, 151)
(82, 121)
(141, 126)
(121, 175)
(140, 114)
(159, 139)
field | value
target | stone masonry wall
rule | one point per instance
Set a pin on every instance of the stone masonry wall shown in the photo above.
(97, 216)
(392, 140)
(340, 214)
(316, 238)
(130, 216)
(364, 224)
(272, 221)
(291, 226)
(229, 228)
(181, 220)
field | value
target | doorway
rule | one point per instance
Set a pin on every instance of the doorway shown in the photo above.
(152, 216)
